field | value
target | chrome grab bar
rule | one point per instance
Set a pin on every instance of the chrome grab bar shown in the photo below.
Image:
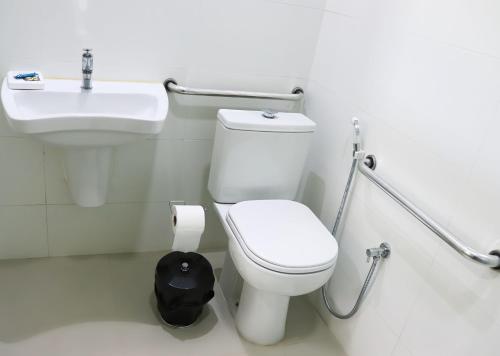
(171, 85)
(492, 259)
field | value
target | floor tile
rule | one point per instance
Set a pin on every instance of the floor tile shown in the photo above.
(104, 305)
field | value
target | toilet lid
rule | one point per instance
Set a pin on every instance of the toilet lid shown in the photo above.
(282, 235)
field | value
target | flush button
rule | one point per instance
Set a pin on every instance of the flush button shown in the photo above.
(269, 114)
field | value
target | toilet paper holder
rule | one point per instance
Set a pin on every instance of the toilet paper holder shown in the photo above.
(182, 202)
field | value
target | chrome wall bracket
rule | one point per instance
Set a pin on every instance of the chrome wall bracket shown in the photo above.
(169, 81)
(496, 253)
(175, 202)
(182, 202)
(371, 162)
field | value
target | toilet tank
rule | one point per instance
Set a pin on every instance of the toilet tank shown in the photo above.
(255, 157)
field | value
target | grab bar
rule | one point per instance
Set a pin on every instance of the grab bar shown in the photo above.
(492, 259)
(171, 85)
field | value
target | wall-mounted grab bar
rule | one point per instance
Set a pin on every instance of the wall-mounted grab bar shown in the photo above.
(171, 85)
(492, 259)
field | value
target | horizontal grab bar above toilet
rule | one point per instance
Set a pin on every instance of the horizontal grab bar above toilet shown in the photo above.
(171, 85)
(491, 260)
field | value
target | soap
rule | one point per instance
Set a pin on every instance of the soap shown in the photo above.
(25, 83)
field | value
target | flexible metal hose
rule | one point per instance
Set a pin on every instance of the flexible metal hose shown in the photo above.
(376, 259)
(360, 297)
(347, 190)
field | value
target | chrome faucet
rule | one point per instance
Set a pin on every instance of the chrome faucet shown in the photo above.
(87, 68)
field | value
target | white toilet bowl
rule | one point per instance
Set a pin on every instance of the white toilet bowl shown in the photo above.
(280, 249)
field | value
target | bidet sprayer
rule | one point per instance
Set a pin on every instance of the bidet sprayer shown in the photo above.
(356, 139)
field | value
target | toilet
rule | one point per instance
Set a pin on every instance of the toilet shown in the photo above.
(277, 245)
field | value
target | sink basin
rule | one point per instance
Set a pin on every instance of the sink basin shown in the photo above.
(86, 124)
(111, 113)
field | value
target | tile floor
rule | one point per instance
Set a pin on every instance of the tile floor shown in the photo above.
(103, 305)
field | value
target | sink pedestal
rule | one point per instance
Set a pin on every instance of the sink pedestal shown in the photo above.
(87, 174)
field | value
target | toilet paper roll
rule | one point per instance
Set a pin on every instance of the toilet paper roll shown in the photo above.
(188, 223)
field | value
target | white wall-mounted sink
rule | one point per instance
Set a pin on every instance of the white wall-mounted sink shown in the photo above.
(86, 124)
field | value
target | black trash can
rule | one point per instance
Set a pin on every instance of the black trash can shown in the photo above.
(184, 283)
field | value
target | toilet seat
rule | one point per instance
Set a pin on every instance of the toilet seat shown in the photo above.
(282, 235)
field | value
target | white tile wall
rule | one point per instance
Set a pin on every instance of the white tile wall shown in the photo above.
(149, 40)
(21, 175)
(424, 79)
(73, 230)
(422, 76)
(23, 231)
(263, 45)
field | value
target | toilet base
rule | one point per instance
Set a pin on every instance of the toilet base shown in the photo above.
(261, 315)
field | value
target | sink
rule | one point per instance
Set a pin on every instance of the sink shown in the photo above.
(86, 124)
(111, 113)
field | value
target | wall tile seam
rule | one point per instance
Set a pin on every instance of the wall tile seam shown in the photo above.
(452, 45)
(396, 333)
(322, 311)
(20, 137)
(417, 298)
(469, 239)
(468, 176)
(30, 139)
(432, 256)
(399, 229)
(284, 2)
(342, 14)
(45, 193)
(177, 140)
(47, 239)
(448, 216)
(111, 254)
(312, 61)
(433, 264)
(199, 140)
(375, 310)
(13, 136)
(339, 95)
(20, 257)
(387, 120)
(17, 205)
(424, 36)
(145, 202)
(387, 325)
(421, 290)
(414, 304)
(433, 153)
(100, 253)
(216, 70)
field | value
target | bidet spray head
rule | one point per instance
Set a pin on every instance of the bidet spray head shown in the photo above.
(356, 139)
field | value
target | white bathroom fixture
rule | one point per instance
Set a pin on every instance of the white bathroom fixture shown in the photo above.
(86, 124)
(278, 246)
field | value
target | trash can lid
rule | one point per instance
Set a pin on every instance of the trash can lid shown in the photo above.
(184, 270)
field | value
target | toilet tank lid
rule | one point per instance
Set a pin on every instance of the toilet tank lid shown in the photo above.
(247, 120)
